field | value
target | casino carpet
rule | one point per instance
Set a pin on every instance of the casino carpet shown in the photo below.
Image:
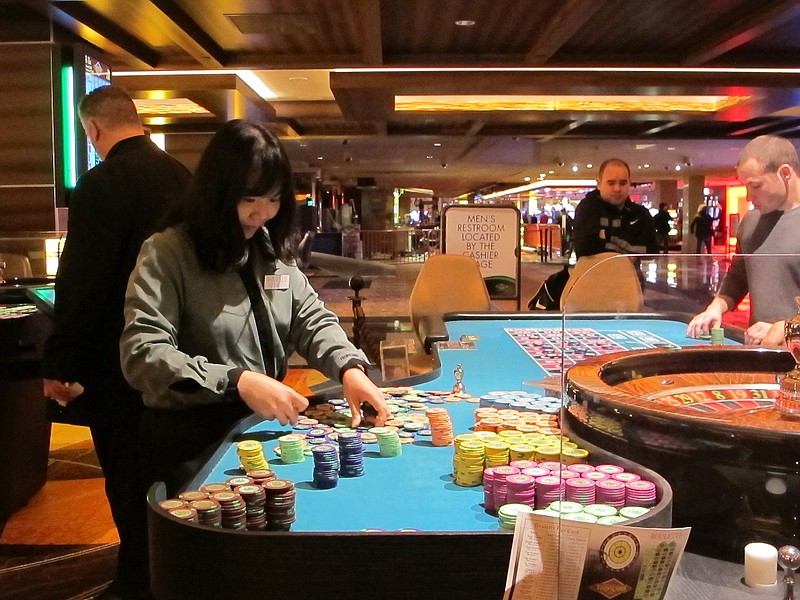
(62, 545)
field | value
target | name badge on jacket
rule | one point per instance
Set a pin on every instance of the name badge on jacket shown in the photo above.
(276, 282)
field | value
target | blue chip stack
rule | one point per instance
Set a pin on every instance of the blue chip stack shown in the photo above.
(351, 455)
(326, 466)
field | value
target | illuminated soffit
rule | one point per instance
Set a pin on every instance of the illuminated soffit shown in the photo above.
(647, 104)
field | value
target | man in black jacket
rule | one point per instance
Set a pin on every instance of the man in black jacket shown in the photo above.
(113, 209)
(607, 220)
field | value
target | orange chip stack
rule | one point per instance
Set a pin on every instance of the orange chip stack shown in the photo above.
(441, 426)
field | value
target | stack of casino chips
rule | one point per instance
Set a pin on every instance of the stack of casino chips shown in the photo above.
(178, 508)
(317, 435)
(187, 514)
(251, 455)
(609, 491)
(497, 453)
(291, 448)
(280, 505)
(549, 488)
(580, 489)
(441, 426)
(520, 489)
(326, 466)
(639, 493)
(351, 455)
(521, 451)
(388, 441)
(192, 495)
(209, 511)
(213, 488)
(234, 509)
(508, 514)
(234, 482)
(468, 463)
(259, 476)
(168, 505)
(488, 490)
(499, 484)
(255, 499)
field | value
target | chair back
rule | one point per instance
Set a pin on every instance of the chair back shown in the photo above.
(447, 283)
(17, 265)
(605, 282)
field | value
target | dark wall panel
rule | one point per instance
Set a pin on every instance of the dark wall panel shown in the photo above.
(26, 114)
(27, 209)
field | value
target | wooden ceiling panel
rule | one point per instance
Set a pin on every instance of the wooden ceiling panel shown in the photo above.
(290, 36)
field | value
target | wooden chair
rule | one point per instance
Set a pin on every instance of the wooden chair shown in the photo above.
(446, 283)
(605, 282)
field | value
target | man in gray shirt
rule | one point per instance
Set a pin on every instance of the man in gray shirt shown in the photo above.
(766, 265)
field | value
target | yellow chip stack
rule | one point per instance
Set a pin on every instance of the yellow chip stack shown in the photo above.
(251, 455)
(468, 460)
(497, 453)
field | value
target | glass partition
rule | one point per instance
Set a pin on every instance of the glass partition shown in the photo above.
(703, 411)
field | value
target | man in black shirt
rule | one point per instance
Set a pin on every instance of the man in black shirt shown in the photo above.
(663, 223)
(607, 220)
(113, 209)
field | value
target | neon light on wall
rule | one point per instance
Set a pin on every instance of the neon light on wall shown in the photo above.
(68, 127)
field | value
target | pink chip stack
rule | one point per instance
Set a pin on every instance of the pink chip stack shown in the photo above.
(549, 488)
(626, 477)
(581, 468)
(488, 490)
(609, 469)
(580, 489)
(610, 491)
(640, 493)
(500, 485)
(521, 489)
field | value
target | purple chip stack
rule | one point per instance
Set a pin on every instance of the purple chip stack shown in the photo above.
(521, 489)
(640, 493)
(580, 489)
(549, 488)
(610, 491)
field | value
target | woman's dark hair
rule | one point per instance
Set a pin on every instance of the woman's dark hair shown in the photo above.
(243, 159)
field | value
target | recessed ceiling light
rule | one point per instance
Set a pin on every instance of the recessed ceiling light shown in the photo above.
(320, 158)
(437, 144)
(526, 179)
(465, 22)
(429, 156)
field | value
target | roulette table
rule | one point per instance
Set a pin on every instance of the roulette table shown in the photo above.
(705, 418)
(405, 524)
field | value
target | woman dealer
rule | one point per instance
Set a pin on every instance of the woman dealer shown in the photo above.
(216, 304)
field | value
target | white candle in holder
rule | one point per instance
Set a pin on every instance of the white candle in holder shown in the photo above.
(760, 564)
